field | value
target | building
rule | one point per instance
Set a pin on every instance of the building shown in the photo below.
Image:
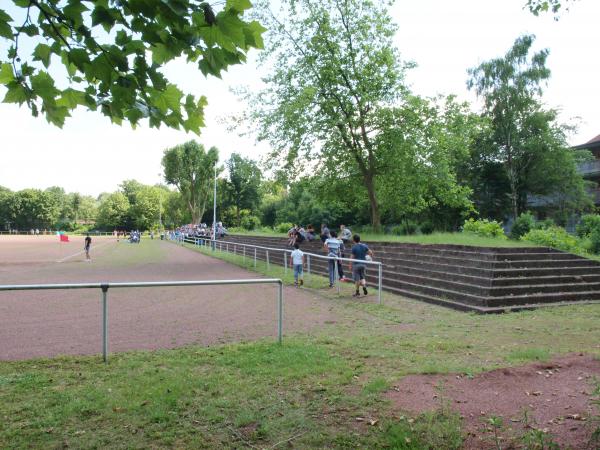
(591, 169)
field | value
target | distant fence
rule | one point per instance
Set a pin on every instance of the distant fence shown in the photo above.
(106, 286)
(226, 246)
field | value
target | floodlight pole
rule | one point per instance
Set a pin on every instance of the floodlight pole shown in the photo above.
(215, 206)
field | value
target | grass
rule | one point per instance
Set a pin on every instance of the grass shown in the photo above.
(435, 238)
(323, 389)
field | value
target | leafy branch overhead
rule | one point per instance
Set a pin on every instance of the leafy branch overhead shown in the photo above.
(111, 52)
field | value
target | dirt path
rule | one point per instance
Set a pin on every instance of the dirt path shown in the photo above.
(49, 323)
(553, 399)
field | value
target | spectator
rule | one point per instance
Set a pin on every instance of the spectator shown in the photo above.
(310, 233)
(297, 261)
(325, 234)
(332, 248)
(345, 234)
(359, 253)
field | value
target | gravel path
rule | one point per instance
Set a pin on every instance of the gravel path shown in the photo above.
(49, 323)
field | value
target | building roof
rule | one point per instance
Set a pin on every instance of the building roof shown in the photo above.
(592, 143)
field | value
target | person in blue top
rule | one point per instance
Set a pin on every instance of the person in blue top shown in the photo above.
(360, 252)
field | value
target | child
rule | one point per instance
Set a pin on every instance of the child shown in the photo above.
(297, 260)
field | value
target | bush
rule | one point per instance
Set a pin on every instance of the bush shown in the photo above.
(523, 224)
(427, 227)
(407, 227)
(283, 227)
(544, 224)
(589, 223)
(484, 227)
(250, 222)
(555, 237)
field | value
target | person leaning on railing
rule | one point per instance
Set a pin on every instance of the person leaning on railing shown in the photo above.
(360, 252)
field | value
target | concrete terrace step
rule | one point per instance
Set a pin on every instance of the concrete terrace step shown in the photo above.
(482, 279)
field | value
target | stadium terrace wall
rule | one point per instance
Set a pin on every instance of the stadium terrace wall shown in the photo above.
(481, 279)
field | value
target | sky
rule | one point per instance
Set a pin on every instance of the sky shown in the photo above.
(445, 38)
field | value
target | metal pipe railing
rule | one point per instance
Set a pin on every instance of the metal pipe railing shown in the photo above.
(379, 264)
(106, 286)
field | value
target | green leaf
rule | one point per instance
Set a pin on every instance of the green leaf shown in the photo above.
(43, 85)
(6, 73)
(161, 54)
(42, 53)
(74, 11)
(232, 27)
(16, 94)
(238, 5)
(70, 98)
(5, 29)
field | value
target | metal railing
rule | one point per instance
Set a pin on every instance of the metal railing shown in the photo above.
(106, 286)
(216, 244)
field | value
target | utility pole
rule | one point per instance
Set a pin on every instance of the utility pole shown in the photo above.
(215, 206)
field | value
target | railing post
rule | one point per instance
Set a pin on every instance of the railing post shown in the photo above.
(255, 257)
(336, 274)
(285, 261)
(267, 259)
(104, 288)
(280, 312)
(380, 283)
(307, 267)
(244, 250)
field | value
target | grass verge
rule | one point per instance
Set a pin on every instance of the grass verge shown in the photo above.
(319, 390)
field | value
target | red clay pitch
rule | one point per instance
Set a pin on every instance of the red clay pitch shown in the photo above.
(49, 323)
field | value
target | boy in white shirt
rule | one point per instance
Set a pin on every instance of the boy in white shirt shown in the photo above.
(297, 261)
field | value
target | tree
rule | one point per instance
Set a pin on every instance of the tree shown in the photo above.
(543, 6)
(145, 211)
(113, 211)
(522, 136)
(113, 52)
(335, 68)
(191, 168)
(33, 208)
(243, 184)
(510, 87)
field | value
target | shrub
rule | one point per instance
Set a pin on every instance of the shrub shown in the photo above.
(407, 227)
(484, 227)
(523, 224)
(250, 222)
(544, 224)
(589, 223)
(427, 227)
(555, 237)
(283, 227)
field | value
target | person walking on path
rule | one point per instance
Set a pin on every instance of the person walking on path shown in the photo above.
(332, 248)
(297, 261)
(360, 252)
(86, 246)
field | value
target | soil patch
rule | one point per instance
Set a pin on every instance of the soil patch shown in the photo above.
(554, 397)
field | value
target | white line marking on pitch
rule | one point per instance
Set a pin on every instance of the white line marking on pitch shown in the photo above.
(81, 252)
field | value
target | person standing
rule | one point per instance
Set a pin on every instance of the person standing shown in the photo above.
(87, 246)
(359, 253)
(332, 248)
(297, 261)
(345, 234)
(325, 234)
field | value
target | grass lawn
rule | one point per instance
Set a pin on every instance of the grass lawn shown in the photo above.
(435, 238)
(319, 390)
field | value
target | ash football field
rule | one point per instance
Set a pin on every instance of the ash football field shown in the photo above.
(47, 323)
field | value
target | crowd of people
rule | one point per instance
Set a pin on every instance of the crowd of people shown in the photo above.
(335, 248)
(200, 230)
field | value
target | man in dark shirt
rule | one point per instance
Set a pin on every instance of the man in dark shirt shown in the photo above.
(86, 247)
(359, 253)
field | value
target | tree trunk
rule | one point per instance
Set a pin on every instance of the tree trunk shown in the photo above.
(375, 217)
